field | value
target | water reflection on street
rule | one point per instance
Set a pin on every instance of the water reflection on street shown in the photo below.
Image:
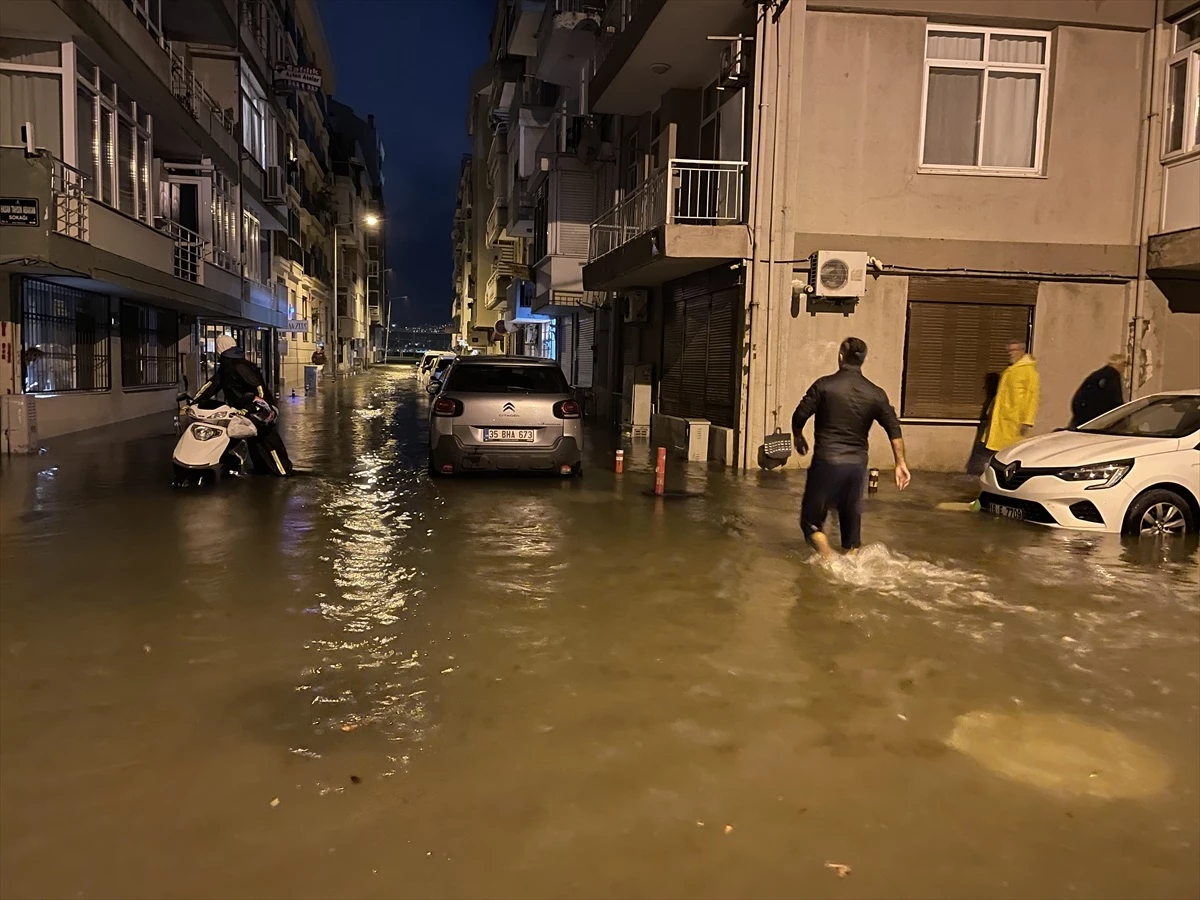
(364, 683)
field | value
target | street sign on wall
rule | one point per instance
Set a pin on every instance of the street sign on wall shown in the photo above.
(300, 325)
(19, 211)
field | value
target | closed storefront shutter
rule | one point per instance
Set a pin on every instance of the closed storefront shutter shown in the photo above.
(566, 347)
(958, 333)
(585, 349)
(699, 347)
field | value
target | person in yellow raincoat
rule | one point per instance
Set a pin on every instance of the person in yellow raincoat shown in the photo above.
(1015, 407)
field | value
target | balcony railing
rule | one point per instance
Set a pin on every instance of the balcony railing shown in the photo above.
(686, 192)
(186, 87)
(189, 249)
(617, 16)
(69, 187)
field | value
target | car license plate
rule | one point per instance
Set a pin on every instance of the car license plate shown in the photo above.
(519, 435)
(1008, 512)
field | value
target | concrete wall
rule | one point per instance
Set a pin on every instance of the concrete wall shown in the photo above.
(859, 163)
(1076, 328)
(129, 239)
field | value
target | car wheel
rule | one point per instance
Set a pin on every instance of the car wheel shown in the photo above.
(1160, 512)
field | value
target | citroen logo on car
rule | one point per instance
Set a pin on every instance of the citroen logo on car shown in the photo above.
(508, 407)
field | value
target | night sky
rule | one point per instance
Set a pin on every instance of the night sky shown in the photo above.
(410, 63)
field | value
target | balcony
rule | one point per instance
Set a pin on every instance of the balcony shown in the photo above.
(637, 34)
(567, 39)
(522, 32)
(685, 217)
(497, 222)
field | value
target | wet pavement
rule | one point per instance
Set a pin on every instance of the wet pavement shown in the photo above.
(364, 683)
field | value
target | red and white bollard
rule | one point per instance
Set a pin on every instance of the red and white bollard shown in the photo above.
(620, 465)
(660, 472)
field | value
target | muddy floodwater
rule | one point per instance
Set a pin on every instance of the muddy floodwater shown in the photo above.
(364, 683)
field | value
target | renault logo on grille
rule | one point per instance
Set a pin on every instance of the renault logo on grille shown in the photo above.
(1011, 470)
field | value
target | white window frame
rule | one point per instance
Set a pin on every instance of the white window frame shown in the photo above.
(66, 85)
(1188, 54)
(260, 143)
(251, 257)
(1040, 138)
(143, 127)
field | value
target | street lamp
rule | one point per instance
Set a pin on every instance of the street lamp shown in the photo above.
(371, 220)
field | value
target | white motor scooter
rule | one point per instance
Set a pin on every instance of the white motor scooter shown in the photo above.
(212, 443)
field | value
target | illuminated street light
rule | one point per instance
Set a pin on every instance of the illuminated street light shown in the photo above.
(372, 220)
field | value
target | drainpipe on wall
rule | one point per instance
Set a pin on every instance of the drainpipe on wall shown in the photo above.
(1137, 325)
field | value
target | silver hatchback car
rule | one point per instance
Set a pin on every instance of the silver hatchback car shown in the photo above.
(505, 413)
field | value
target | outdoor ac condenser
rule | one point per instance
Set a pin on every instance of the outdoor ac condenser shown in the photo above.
(18, 423)
(840, 273)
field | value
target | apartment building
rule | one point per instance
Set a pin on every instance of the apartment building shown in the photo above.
(156, 191)
(937, 178)
(527, 194)
(360, 229)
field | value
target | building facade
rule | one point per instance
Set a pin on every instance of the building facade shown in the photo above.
(770, 178)
(170, 167)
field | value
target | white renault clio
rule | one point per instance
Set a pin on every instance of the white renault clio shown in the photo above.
(1134, 470)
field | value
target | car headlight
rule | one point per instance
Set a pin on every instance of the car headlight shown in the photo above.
(1104, 474)
(205, 432)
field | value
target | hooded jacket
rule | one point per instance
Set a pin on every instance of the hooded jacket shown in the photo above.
(239, 381)
(1015, 405)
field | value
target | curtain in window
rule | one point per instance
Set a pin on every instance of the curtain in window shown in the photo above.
(952, 116)
(31, 97)
(1010, 129)
(126, 168)
(952, 45)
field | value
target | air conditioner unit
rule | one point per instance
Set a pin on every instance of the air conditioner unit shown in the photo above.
(276, 183)
(479, 337)
(637, 306)
(18, 423)
(735, 65)
(840, 273)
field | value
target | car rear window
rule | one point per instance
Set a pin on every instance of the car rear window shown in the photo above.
(507, 379)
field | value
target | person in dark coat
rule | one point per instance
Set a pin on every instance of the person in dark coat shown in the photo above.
(241, 385)
(1101, 392)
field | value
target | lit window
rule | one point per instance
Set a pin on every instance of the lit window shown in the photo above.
(985, 99)
(1182, 119)
(114, 143)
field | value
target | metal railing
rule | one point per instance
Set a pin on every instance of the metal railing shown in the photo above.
(190, 249)
(189, 91)
(586, 7)
(616, 18)
(686, 192)
(68, 186)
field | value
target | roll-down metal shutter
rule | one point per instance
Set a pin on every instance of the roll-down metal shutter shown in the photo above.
(699, 374)
(566, 347)
(585, 349)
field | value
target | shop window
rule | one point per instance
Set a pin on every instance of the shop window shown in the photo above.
(985, 98)
(149, 346)
(64, 339)
(957, 340)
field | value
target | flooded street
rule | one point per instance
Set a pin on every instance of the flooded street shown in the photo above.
(364, 683)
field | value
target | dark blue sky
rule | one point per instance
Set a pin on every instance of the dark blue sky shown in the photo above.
(410, 63)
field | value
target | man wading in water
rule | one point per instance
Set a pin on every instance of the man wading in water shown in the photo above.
(845, 405)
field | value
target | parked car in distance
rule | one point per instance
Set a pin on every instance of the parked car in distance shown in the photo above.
(428, 361)
(438, 373)
(1134, 470)
(505, 413)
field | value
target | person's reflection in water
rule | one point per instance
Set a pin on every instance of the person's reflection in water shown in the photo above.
(980, 454)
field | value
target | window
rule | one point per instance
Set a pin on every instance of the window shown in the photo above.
(31, 91)
(507, 378)
(957, 341)
(149, 351)
(114, 147)
(64, 339)
(258, 128)
(225, 223)
(1182, 120)
(985, 99)
(253, 258)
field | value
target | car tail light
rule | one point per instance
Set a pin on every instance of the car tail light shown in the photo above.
(566, 409)
(448, 407)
